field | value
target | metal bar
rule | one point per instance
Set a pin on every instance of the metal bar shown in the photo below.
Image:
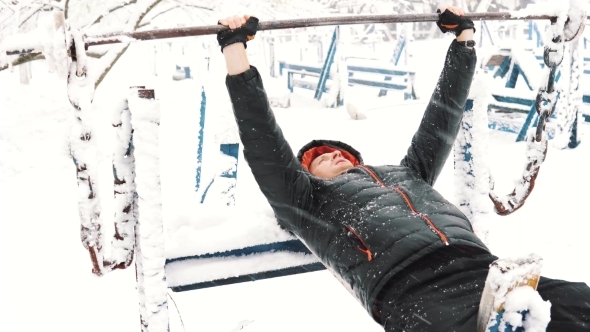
(113, 38)
(120, 37)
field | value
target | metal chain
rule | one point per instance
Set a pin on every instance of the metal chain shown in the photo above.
(537, 142)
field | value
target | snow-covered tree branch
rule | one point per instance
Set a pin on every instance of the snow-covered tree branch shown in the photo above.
(91, 17)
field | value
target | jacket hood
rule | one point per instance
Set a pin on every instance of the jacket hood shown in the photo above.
(316, 148)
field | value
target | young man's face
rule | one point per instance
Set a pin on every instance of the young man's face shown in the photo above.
(329, 165)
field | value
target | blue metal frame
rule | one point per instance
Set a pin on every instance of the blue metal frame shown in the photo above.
(187, 70)
(531, 119)
(351, 69)
(397, 54)
(528, 123)
(200, 138)
(290, 246)
(252, 277)
(314, 71)
(325, 72)
(534, 28)
(232, 150)
(466, 149)
(486, 29)
(399, 48)
(507, 327)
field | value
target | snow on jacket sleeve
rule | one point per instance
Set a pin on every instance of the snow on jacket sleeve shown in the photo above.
(432, 143)
(277, 171)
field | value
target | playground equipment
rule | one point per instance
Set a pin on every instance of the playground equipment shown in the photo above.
(404, 77)
(519, 100)
(139, 184)
(512, 108)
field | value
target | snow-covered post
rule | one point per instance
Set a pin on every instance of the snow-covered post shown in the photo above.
(228, 138)
(571, 101)
(325, 73)
(471, 164)
(25, 73)
(201, 137)
(229, 148)
(271, 55)
(123, 243)
(150, 257)
(338, 70)
(222, 181)
(509, 301)
(409, 37)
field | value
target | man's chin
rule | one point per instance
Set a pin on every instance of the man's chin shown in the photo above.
(344, 166)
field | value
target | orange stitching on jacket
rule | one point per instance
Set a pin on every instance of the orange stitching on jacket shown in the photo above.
(442, 236)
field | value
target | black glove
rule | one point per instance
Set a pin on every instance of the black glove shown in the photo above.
(449, 21)
(240, 35)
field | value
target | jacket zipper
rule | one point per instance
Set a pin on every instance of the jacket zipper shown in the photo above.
(365, 248)
(406, 199)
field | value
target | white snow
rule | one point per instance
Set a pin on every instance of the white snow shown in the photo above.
(202, 231)
(23, 42)
(512, 272)
(51, 272)
(526, 298)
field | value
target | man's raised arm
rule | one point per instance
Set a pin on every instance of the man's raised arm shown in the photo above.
(433, 142)
(276, 169)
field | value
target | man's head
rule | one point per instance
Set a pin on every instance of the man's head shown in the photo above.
(329, 165)
(328, 159)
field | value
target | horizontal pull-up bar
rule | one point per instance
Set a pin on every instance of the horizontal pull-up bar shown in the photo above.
(113, 38)
(121, 37)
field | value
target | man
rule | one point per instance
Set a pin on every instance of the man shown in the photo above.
(407, 254)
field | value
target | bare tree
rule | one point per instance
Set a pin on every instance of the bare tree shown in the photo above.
(92, 16)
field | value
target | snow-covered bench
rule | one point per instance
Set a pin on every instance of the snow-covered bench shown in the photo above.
(361, 75)
(231, 245)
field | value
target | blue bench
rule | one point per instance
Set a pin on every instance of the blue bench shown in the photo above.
(315, 71)
(294, 246)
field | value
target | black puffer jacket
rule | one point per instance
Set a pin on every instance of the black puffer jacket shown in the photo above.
(370, 222)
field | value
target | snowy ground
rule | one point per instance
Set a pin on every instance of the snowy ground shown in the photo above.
(50, 280)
